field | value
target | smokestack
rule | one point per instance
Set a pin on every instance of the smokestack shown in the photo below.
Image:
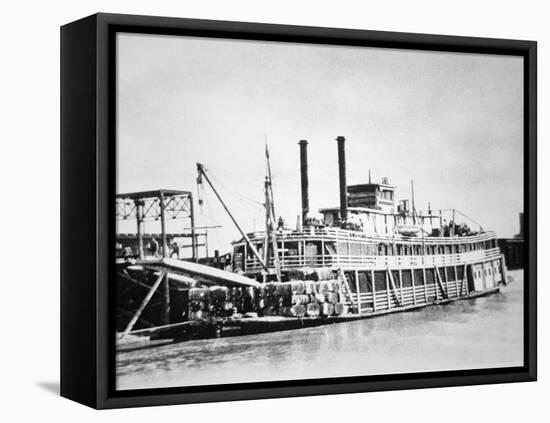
(304, 179)
(342, 172)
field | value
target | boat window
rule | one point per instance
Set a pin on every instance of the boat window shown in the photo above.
(365, 282)
(355, 248)
(406, 278)
(450, 273)
(430, 276)
(343, 248)
(418, 277)
(380, 280)
(291, 249)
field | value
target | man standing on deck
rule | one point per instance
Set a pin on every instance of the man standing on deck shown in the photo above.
(153, 247)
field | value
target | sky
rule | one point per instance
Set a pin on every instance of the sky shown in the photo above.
(452, 122)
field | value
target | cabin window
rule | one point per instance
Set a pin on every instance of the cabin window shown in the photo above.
(355, 249)
(350, 276)
(406, 278)
(312, 252)
(369, 249)
(450, 274)
(343, 248)
(395, 276)
(380, 280)
(430, 276)
(418, 277)
(386, 195)
(291, 249)
(365, 282)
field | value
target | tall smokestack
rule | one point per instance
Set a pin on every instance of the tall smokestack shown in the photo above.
(304, 179)
(342, 172)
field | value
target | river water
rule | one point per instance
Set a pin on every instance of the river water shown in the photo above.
(478, 333)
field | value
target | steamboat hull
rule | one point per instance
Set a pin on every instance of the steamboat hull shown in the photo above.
(324, 283)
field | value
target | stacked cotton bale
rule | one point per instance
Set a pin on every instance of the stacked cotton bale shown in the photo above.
(199, 303)
(316, 294)
(220, 302)
(310, 292)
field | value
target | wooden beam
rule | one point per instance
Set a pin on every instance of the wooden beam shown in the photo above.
(166, 300)
(443, 288)
(413, 286)
(456, 281)
(394, 289)
(373, 290)
(346, 287)
(143, 305)
(158, 328)
(357, 290)
(425, 284)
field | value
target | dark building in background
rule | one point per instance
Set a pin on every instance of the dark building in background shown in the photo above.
(513, 248)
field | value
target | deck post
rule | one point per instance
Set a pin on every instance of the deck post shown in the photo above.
(194, 247)
(425, 284)
(373, 289)
(139, 221)
(388, 299)
(456, 281)
(163, 224)
(437, 276)
(465, 279)
(483, 275)
(413, 286)
(401, 286)
(359, 307)
(166, 301)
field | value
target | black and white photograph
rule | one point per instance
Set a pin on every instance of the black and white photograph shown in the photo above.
(290, 211)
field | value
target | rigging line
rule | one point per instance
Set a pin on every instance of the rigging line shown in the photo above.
(468, 217)
(229, 191)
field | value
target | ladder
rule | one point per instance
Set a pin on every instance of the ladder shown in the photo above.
(342, 278)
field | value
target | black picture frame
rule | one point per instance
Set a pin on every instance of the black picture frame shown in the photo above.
(87, 201)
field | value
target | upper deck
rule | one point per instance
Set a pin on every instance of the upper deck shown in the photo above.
(329, 246)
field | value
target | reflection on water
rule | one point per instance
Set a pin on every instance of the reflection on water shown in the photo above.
(479, 333)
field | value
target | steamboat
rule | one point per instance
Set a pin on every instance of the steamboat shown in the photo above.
(387, 256)
(368, 256)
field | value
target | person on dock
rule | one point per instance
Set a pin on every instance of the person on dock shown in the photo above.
(175, 250)
(128, 253)
(153, 247)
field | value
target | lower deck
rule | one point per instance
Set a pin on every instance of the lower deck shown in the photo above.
(376, 290)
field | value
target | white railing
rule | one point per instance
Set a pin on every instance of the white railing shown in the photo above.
(377, 262)
(336, 234)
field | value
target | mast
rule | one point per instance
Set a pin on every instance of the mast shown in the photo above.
(202, 172)
(412, 201)
(270, 179)
(270, 219)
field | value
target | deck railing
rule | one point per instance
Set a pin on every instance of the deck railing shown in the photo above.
(337, 234)
(376, 262)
